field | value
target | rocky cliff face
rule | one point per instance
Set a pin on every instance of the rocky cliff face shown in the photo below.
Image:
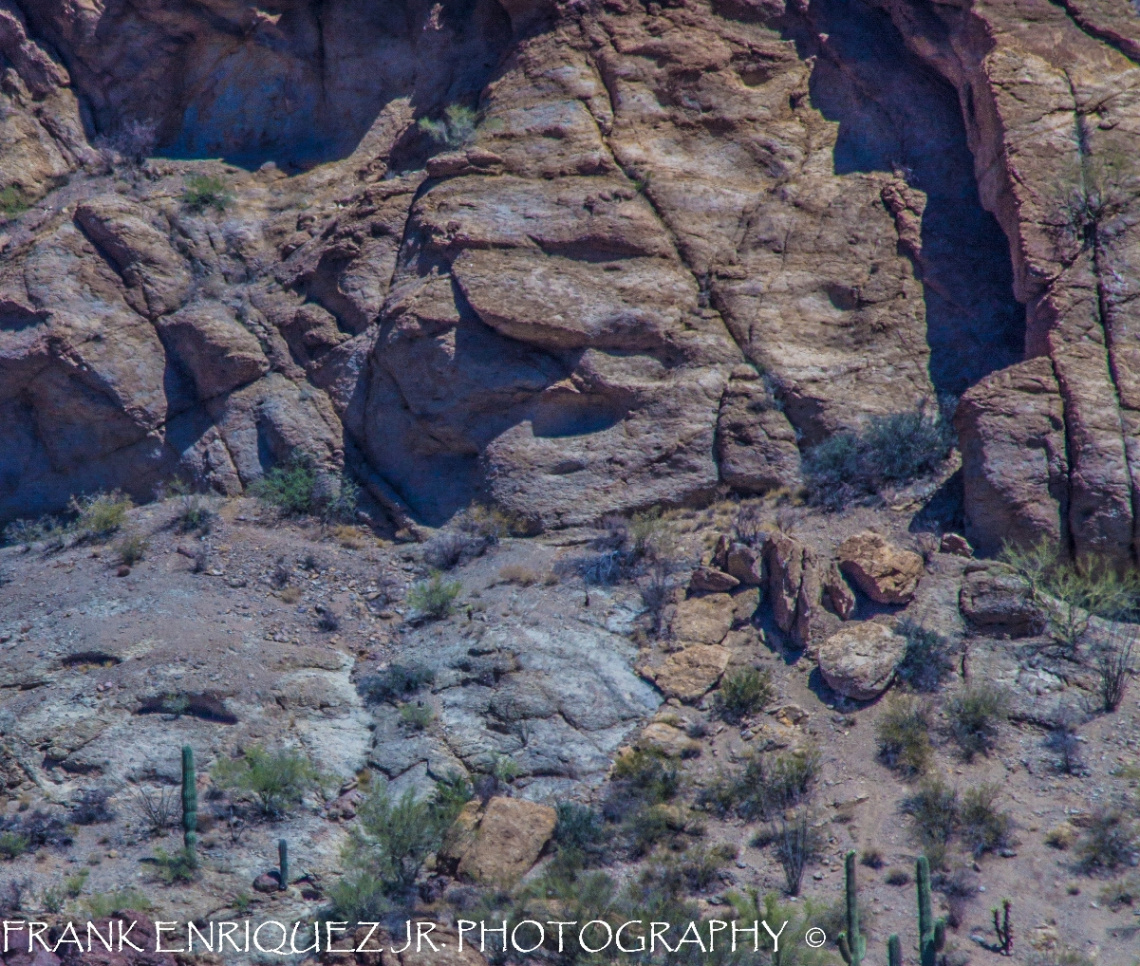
(685, 243)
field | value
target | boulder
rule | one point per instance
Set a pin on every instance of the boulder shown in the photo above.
(219, 353)
(745, 564)
(709, 581)
(956, 545)
(837, 595)
(668, 740)
(794, 585)
(859, 661)
(998, 603)
(691, 672)
(884, 572)
(703, 620)
(507, 841)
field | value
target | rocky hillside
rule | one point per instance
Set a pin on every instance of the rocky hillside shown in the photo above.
(662, 248)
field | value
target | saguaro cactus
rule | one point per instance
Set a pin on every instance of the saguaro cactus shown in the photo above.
(931, 931)
(189, 801)
(852, 943)
(1004, 928)
(894, 951)
(283, 863)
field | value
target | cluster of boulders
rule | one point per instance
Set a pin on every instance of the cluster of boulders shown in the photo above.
(802, 587)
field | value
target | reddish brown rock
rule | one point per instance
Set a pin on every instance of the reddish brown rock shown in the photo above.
(708, 580)
(881, 570)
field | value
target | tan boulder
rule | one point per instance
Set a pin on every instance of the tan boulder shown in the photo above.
(756, 444)
(691, 672)
(859, 661)
(838, 596)
(745, 564)
(703, 620)
(217, 350)
(709, 580)
(667, 739)
(794, 585)
(998, 603)
(507, 841)
(884, 572)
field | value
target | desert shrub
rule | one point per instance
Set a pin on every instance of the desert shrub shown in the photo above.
(640, 779)
(982, 826)
(102, 905)
(798, 844)
(359, 897)
(934, 808)
(799, 917)
(90, 807)
(156, 811)
(175, 867)
(328, 621)
(416, 716)
(290, 488)
(14, 844)
(927, 661)
(872, 858)
(1063, 739)
(455, 129)
(448, 550)
(975, 716)
(13, 202)
(27, 532)
(132, 548)
(193, 513)
(889, 449)
(742, 693)
(767, 785)
(433, 599)
(601, 569)
(701, 865)
(1125, 892)
(1109, 841)
(518, 574)
(393, 838)
(133, 141)
(898, 877)
(1112, 659)
(204, 191)
(904, 736)
(278, 780)
(581, 834)
(100, 515)
(396, 682)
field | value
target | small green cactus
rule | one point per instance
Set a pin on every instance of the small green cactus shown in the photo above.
(189, 801)
(852, 943)
(931, 931)
(894, 951)
(283, 863)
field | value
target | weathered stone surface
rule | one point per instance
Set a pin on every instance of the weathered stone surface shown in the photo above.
(838, 596)
(885, 573)
(1011, 430)
(998, 603)
(507, 841)
(756, 445)
(703, 620)
(690, 673)
(668, 740)
(214, 347)
(794, 586)
(860, 660)
(745, 564)
(956, 545)
(709, 580)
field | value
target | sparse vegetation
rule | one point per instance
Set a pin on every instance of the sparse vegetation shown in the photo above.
(100, 515)
(204, 191)
(982, 826)
(278, 780)
(975, 716)
(640, 779)
(156, 811)
(742, 693)
(12, 202)
(1109, 842)
(797, 846)
(101, 905)
(175, 867)
(90, 807)
(132, 548)
(904, 736)
(433, 599)
(396, 682)
(1112, 658)
(768, 785)
(934, 809)
(927, 662)
(455, 129)
(518, 574)
(890, 449)
(416, 716)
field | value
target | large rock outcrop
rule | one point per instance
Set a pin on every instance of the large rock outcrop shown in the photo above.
(668, 249)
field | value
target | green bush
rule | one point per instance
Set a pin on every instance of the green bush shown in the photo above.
(433, 599)
(927, 661)
(772, 784)
(800, 917)
(132, 548)
(396, 681)
(975, 716)
(416, 716)
(904, 736)
(290, 488)
(983, 827)
(640, 779)
(278, 780)
(455, 130)
(889, 449)
(934, 808)
(206, 191)
(12, 202)
(175, 867)
(742, 693)
(102, 905)
(359, 897)
(1109, 841)
(392, 839)
(14, 844)
(580, 835)
(100, 515)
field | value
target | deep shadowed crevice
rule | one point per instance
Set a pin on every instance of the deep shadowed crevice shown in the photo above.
(895, 115)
